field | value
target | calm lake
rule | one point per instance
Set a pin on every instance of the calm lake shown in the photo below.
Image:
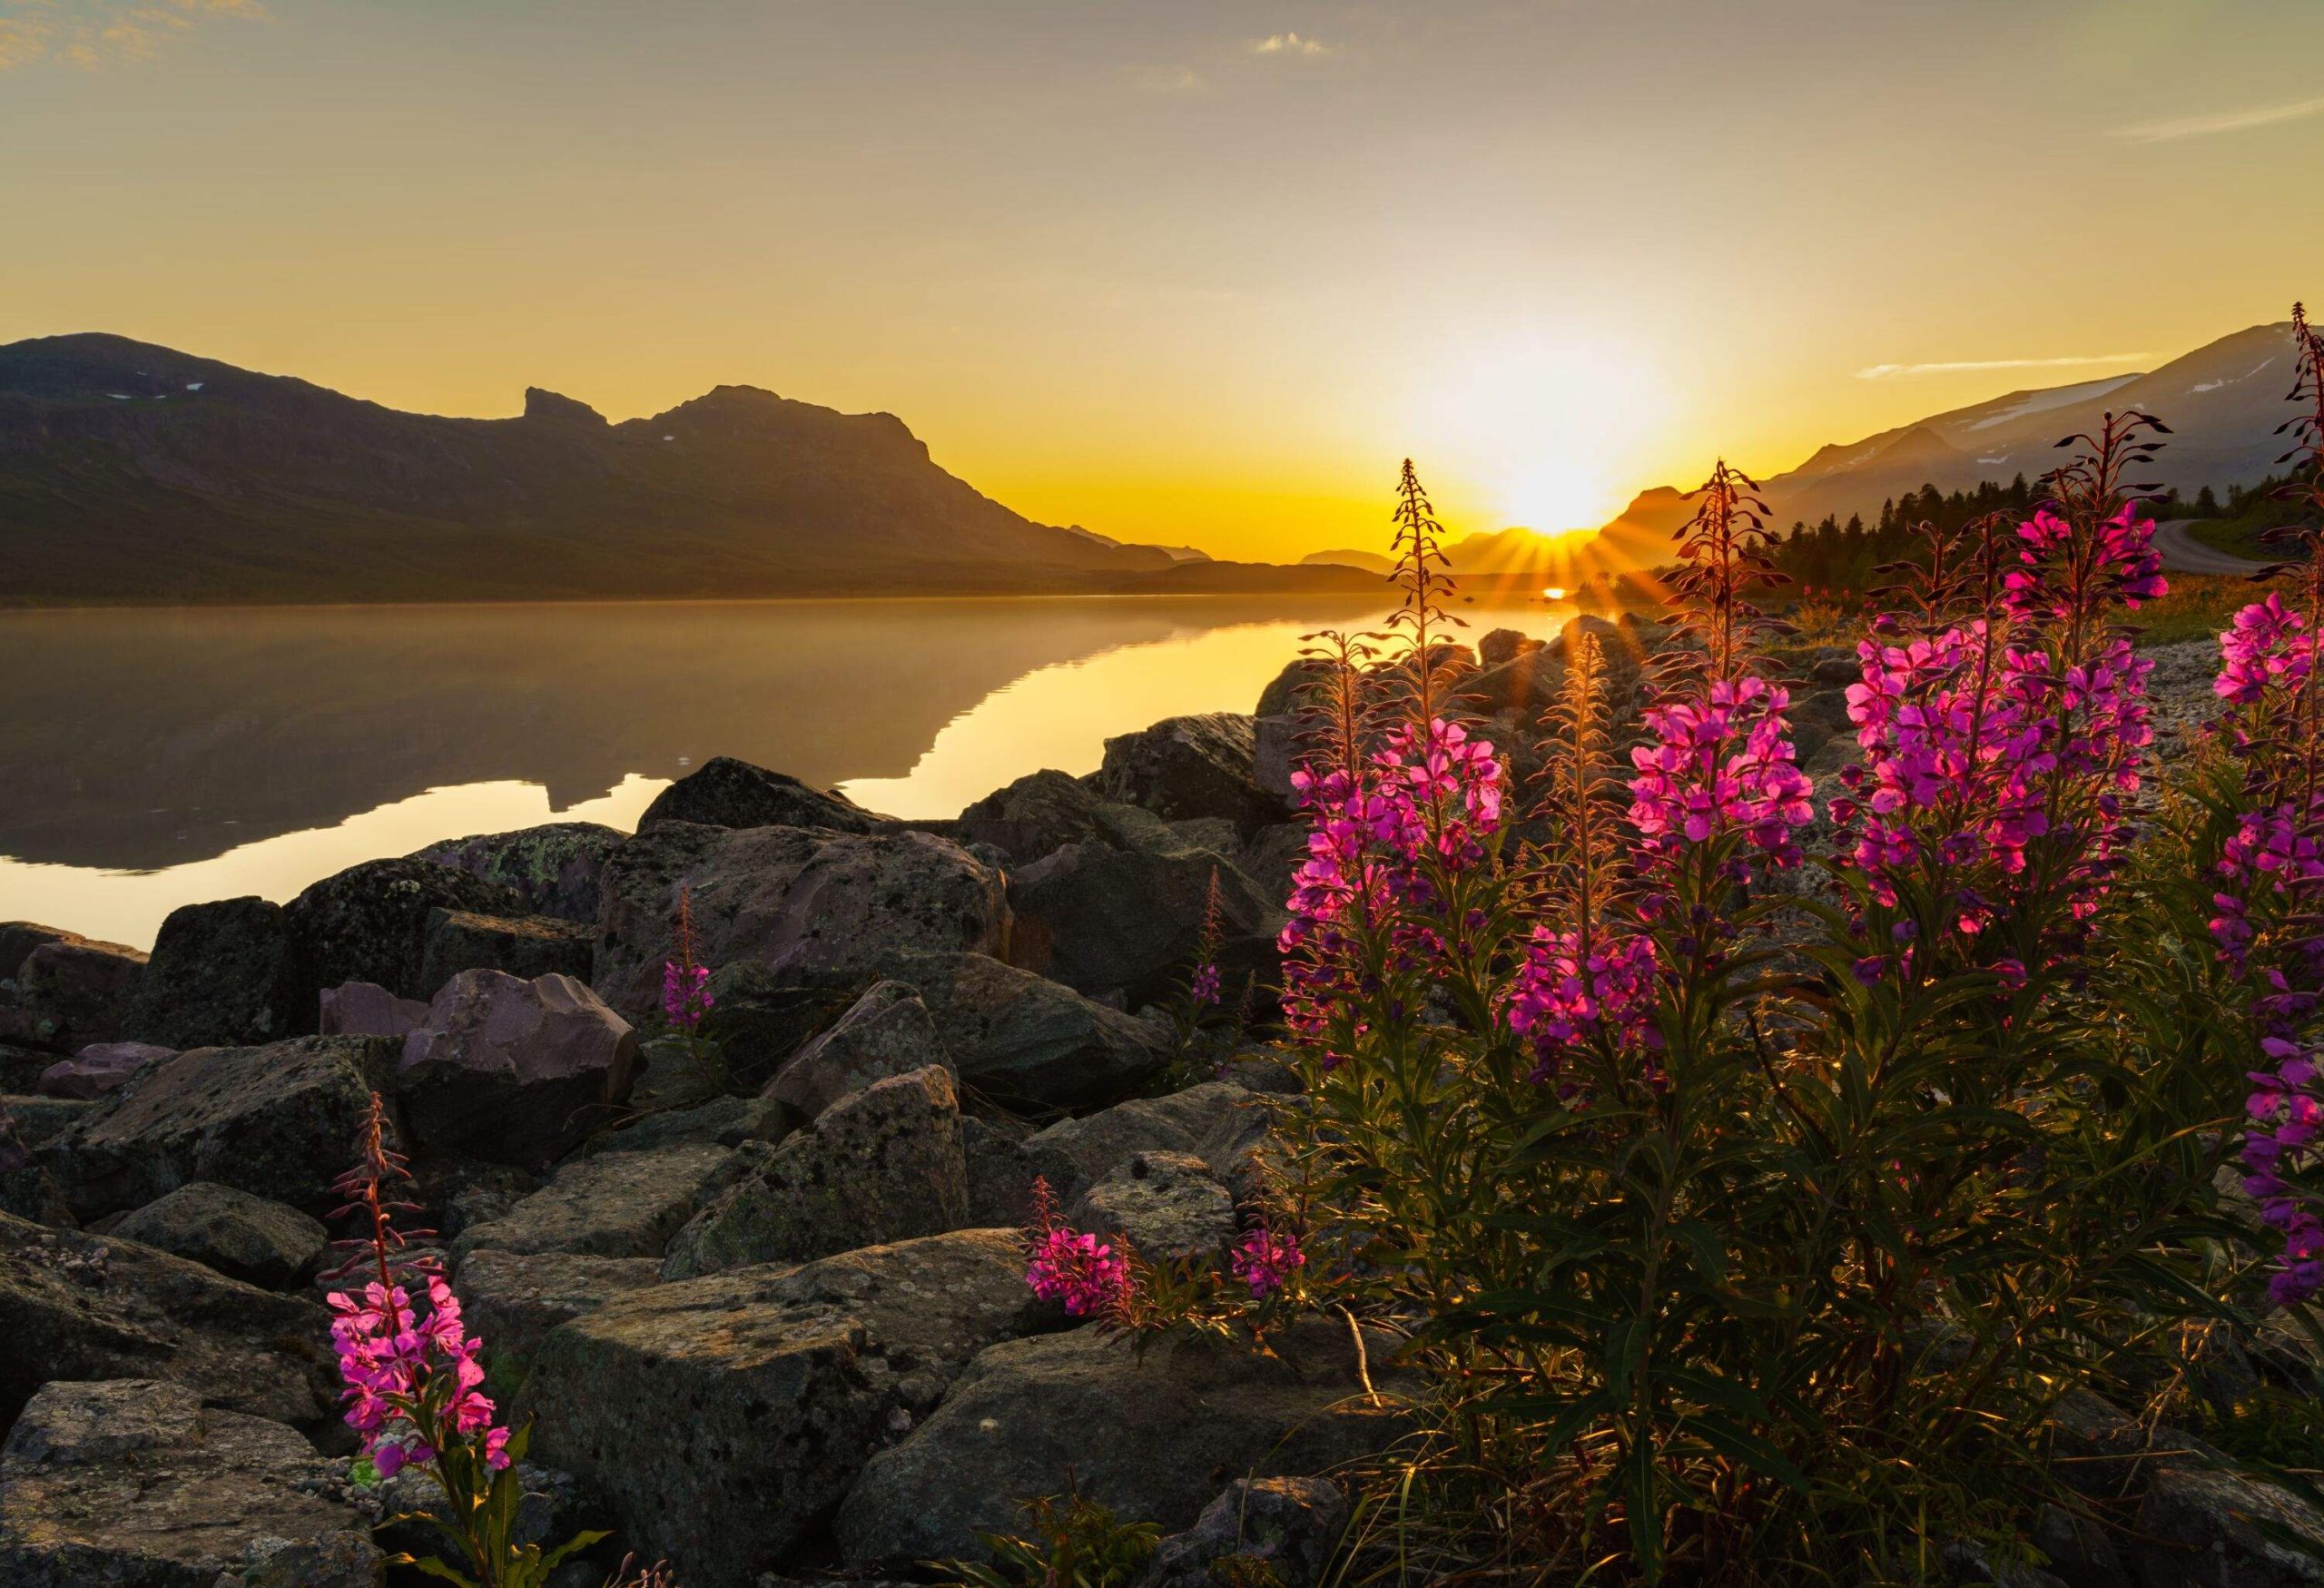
(149, 759)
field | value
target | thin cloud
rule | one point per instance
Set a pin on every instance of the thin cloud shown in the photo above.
(2232, 121)
(1290, 44)
(90, 34)
(1174, 80)
(1959, 366)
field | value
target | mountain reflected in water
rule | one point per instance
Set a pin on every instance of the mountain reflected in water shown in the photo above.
(151, 758)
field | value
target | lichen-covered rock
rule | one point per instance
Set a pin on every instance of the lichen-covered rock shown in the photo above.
(1130, 924)
(725, 792)
(19, 939)
(553, 868)
(817, 908)
(277, 1122)
(514, 1072)
(885, 1032)
(1216, 1121)
(1289, 1528)
(513, 1299)
(526, 946)
(1030, 1042)
(72, 993)
(1037, 814)
(722, 1418)
(2199, 1528)
(21, 1068)
(759, 1020)
(242, 1236)
(882, 1165)
(133, 1483)
(1001, 1172)
(74, 1305)
(366, 1008)
(36, 1119)
(99, 1069)
(330, 1560)
(221, 974)
(611, 1204)
(369, 922)
(1148, 1435)
(1165, 1205)
(1189, 767)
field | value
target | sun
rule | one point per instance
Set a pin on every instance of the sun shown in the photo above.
(1552, 494)
(1544, 422)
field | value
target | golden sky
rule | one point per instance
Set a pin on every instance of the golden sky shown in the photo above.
(1185, 271)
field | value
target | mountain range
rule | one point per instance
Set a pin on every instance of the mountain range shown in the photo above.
(131, 473)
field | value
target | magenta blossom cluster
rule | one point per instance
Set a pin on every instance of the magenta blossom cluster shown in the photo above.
(1721, 761)
(411, 1383)
(1425, 803)
(1954, 763)
(1563, 996)
(2266, 654)
(1265, 1260)
(1203, 990)
(1087, 1275)
(685, 994)
(2053, 582)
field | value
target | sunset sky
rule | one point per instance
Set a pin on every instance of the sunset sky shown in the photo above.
(1181, 270)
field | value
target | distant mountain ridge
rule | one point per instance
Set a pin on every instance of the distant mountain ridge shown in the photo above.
(2223, 402)
(134, 473)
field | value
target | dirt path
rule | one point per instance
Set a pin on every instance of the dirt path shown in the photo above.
(2182, 551)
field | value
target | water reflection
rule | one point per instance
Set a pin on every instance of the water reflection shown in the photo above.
(148, 759)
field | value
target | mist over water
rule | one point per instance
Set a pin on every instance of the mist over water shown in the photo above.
(166, 757)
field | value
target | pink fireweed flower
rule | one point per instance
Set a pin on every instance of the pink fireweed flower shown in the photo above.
(685, 994)
(1083, 1272)
(1721, 761)
(2050, 584)
(392, 1360)
(1562, 997)
(1266, 1262)
(2266, 654)
(1203, 990)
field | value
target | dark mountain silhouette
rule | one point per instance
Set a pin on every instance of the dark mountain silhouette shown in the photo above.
(133, 473)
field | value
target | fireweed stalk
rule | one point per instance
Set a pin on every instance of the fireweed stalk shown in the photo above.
(2271, 870)
(413, 1381)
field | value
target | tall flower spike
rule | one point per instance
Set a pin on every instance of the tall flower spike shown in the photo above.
(1423, 573)
(686, 985)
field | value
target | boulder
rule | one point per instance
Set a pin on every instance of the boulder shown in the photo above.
(36, 1119)
(885, 1032)
(20, 938)
(514, 1072)
(522, 945)
(460, 1192)
(1189, 767)
(221, 975)
(279, 1121)
(72, 993)
(330, 1560)
(366, 1008)
(512, 1299)
(819, 909)
(759, 1020)
(21, 1068)
(1502, 645)
(726, 792)
(2206, 1528)
(1038, 813)
(75, 1305)
(1128, 925)
(99, 1069)
(1215, 1121)
(369, 922)
(242, 1236)
(1029, 1043)
(722, 1418)
(882, 1165)
(1528, 684)
(553, 869)
(1276, 731)
(610, 1204)
(1001, 1172)
(1165, 1205)
(134, 1482)
(1287, 1527)
(1147, 1434)
(27, 1190)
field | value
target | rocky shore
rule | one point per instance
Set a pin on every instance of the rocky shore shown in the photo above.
(772, 1330)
